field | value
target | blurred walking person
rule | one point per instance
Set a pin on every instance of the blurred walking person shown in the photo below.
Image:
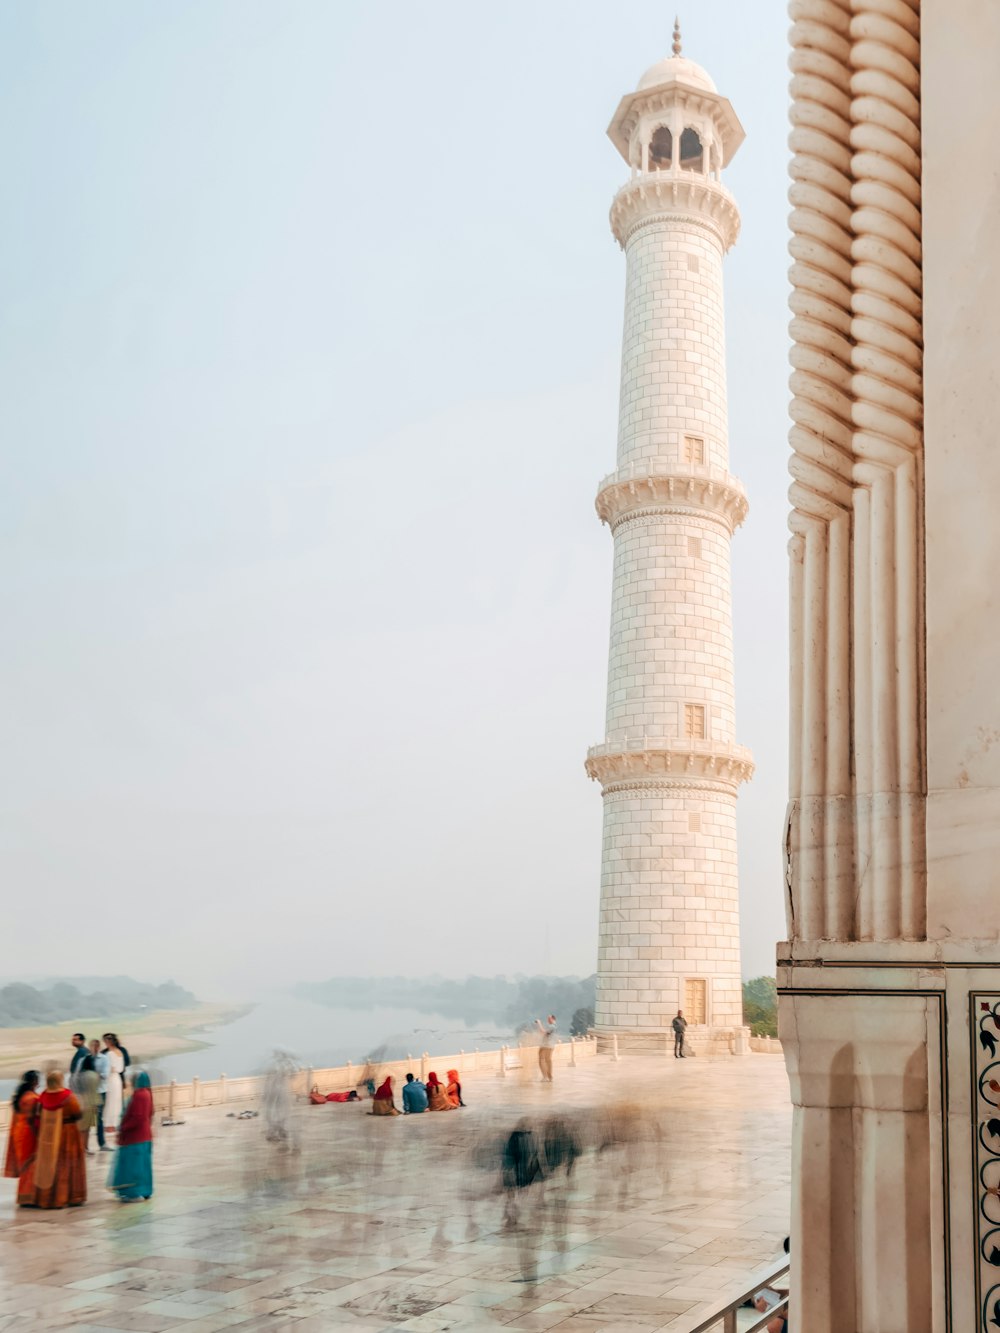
(102, 1065)
(87, 1087)
(60, 1166)
(22, 1138)
(132, 1170)
(521, 1172)
(277, 1099)
(79, 1044)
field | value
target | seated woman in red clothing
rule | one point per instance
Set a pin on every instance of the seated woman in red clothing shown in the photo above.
(382, 1103)
(437, 1098)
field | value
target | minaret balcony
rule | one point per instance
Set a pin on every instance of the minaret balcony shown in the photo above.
(641, 759)
(652, 196)
(660, 485)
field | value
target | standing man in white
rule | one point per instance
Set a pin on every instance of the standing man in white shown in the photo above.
(670, 767)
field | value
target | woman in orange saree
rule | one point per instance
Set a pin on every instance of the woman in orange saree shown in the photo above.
(23, 1139)
(60, 1166)
(454, 1089)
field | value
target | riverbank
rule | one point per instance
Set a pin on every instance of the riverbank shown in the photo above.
(148, 1035)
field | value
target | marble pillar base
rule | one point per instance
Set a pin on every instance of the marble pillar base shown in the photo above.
(893, 1055)
(698, 1041)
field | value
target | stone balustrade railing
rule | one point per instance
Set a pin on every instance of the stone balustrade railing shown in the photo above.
(172, 1098)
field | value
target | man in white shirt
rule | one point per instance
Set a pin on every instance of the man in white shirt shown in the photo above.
(103, 1066)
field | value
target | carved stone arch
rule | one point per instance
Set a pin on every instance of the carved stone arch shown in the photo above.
(661, 148)
(692, 148)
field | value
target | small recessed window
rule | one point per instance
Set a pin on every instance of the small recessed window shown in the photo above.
(694, 823)
(692, 263)
(694, 722)
(694, 449)
(694, 547)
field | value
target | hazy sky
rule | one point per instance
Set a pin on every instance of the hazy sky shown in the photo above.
(310, 320)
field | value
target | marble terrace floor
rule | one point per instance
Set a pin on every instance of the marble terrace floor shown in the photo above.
(399, 1223)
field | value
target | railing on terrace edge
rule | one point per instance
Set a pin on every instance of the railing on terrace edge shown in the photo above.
(169, 1098)
(723, 1315)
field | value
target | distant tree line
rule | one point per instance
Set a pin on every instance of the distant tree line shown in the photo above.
(22, 1005)
(760, 1006)
(507, 1002)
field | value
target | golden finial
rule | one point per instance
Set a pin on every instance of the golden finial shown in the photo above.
(677, 36)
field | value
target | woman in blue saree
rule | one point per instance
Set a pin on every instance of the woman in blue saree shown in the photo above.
(132, 1173)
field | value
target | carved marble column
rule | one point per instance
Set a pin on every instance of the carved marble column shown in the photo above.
(889, 982)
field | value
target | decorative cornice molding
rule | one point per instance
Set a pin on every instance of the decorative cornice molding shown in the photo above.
(664, 196)
(650, 488)
(615, 762)
(706, 790)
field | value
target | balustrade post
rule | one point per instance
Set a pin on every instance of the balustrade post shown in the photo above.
(170, 1098)
(194, 1090)
(423, 1068)
(310, 1075)
(503, 1062)
(614, 1046)
(572, 1052)
(222, 1088)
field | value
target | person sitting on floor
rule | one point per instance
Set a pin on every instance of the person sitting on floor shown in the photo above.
(382, 1103)
(437, 1099)
(454, 1089)
(414, 1096)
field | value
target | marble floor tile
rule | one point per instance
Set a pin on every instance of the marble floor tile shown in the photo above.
(400, 1224)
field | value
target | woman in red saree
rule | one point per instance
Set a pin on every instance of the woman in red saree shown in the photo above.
(437, 1099)
(23, 1139)
(382, 1103)
(60, 1166)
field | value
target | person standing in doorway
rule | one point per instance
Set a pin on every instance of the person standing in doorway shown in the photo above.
(545, 1049)
(679, 1026)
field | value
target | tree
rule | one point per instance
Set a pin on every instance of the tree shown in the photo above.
(583, 1021)
(760, 1006)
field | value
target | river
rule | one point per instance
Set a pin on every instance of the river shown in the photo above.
(318, 1035)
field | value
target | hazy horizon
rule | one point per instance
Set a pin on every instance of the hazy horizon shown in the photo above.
(310, 324)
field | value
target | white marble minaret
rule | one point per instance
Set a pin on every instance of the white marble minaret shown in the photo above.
(669, 766)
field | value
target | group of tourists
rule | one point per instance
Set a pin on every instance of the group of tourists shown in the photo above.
(419, 1096)
(49, 1138)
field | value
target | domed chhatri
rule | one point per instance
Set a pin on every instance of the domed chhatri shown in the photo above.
(670, 765)
(676, 106)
